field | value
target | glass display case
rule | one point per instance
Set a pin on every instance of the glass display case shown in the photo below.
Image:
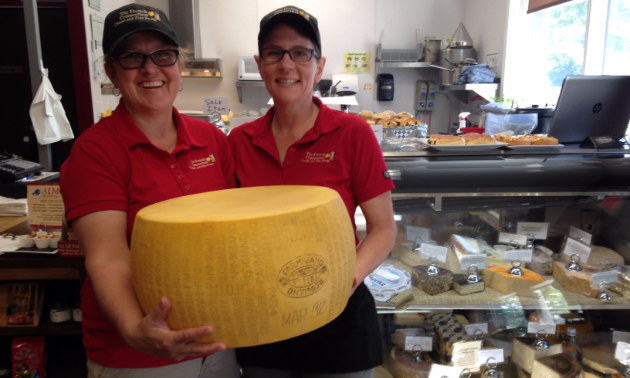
(514, 250)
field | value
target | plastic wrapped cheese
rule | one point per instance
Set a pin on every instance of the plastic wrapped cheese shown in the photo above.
(258, 264)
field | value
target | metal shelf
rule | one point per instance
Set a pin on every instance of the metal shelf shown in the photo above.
(486, 90)
(403, 64)
(247, 84)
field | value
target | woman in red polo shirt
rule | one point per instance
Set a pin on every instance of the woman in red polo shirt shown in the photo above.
(302, 142)
(144, 153)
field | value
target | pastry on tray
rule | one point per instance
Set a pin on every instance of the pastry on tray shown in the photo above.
(474, 138)
(366, 114)
(388, 122)
(446, 140)
(404, 115)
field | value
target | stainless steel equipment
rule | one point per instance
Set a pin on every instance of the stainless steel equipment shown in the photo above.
(458, 54)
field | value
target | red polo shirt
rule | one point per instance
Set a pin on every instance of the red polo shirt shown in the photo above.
(340, 152)
(114, 166)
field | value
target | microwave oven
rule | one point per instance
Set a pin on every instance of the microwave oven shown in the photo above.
(247, 68)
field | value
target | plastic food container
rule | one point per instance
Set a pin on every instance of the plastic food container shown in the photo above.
(42, 243)
(26, 241)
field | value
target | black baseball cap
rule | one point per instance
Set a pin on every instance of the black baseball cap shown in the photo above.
(290, 15)
(132, 18)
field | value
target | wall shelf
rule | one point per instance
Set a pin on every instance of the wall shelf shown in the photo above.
(486, 90)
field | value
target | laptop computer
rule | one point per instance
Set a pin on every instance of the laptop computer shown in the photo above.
(591, 106)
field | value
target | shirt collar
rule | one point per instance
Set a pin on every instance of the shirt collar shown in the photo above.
(263, 135)
(131, 134)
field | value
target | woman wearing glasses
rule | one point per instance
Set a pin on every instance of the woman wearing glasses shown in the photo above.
(302, 142)
(144, 153)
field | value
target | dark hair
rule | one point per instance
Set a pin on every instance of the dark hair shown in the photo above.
(301, 29)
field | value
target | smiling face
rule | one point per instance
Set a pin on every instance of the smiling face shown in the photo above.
(288, 82)
(150, 88)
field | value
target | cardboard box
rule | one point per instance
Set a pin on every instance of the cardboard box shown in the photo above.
(21, 303)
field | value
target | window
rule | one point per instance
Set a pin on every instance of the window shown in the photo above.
(578, 37)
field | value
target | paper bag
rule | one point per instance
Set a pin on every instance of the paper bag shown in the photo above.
(49, 119)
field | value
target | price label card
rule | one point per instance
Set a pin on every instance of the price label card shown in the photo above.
(471, 328)
(574, 247)
(430, 250)
(467, 261)
(539, 230)
(522, 255)
(466, 354)
(378, 132)
(439, 371)
(216, 104)
(609, 276)
(419, 343)
(535, 327)
(621, 336)
(580, 235)
(422, 234)
(512, 238)
(486, 354)
(622, 352)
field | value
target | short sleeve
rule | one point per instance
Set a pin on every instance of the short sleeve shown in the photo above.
(370, 177)
(227, 161)
(95, 176)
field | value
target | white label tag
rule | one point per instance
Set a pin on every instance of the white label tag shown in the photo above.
(486, 354)
(419, 343)
(609, 276)
(574, 247)
(422, 234)
(579, 235)
(378, 132)
(439, 371)
(621, 336)
(538, 229)
(216, 104)
(467, 261)
(522, 255)
(512, 238)
(430, 250)
(622, 352)
(466, 354)
(535, 327)
(471, 328)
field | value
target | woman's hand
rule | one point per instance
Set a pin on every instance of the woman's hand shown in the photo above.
(152, 335)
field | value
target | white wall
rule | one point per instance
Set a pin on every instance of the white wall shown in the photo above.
(230, 28)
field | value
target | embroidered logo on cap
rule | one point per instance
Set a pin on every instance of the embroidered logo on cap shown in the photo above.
(137, 14)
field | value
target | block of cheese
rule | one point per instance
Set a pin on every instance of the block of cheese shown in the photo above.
(524, 353)
(498, 278)
(542, 261)
(432, 285)
(557, 366)
(599, 257)
(577, 282)
(258, 264)
(462, 247)
(449, 330)
(520, 373)
(411, 258)
(623, 285)
(601, 358)
(404, 365)
(463, 287)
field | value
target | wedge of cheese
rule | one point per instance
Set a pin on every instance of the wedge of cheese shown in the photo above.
(463, 247)
(599, 257)
(557, 366)
(258, 264)
(601, 358)
(577, 282)
(498, 278)
(524, 353)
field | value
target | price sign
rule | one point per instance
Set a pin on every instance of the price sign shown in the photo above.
(574, 247)
(378, 131)
(467, 261)
(522, 255)
(486, 354)
(422, 234)
(580, 235)
(466, 354)
(535, 327)
(429, 250)
(512, 238)
(622, 352)
(440, 371)
(216, 104)
(604, 277)
(471, 328)
(539, 230)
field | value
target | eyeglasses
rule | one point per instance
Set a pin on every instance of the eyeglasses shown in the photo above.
(162, 58)
(298, 54)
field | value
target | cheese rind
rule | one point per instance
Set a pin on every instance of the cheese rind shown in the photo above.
(431, 285)
(463, 287)
(557, 366)
(259, 265)
(524, 353)
(597, 259)
(498, 278)
(577, 282)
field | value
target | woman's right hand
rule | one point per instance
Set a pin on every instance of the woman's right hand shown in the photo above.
(152, 335)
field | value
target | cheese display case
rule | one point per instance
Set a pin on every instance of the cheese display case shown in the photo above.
(517, 250)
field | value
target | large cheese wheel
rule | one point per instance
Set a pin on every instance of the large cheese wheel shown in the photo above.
(258, 264)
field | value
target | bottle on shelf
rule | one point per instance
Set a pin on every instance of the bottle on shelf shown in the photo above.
(571, 345)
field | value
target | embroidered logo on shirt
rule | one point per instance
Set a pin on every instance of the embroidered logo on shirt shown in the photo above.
(387, 175)
(203, 163)
(314, 157)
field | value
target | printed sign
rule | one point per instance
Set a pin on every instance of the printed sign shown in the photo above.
(429, 250)
(422, 234)
(574, 247)
(472, 328)
(440, 371)
(622, 352)
(604, 277)
(45, 205)
(512, 238)
(539, 230)
(216, 104)
(466, 355)
(419, 343)
(522, 255)
(356, 62)
(486, 354)
(467, 261)
(579, 235)
(535, 327)
(378, 132)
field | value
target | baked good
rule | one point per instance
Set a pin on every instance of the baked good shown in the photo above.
(474, 138)
(501, 138)
(389, 113)
(411, 120)
(366, 114)
(446, 140)
(370, 121)
(519, 141)
(544, 140)
(388, 122)
(404, 115)
(402, 122)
